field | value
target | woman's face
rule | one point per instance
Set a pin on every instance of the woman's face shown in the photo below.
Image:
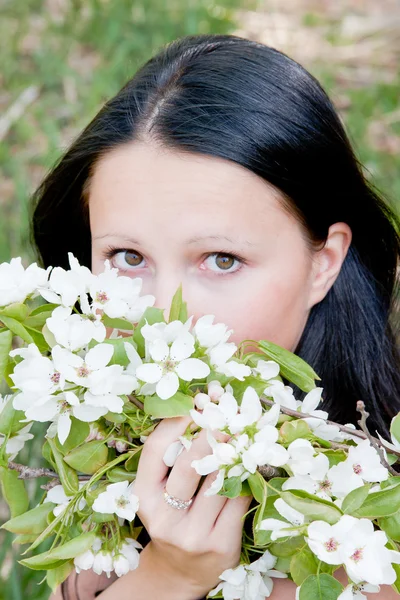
(210, 225)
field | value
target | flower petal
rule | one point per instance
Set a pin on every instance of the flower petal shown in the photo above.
(192, 368)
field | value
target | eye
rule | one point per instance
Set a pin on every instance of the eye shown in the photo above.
(224, 262)
(123, 259)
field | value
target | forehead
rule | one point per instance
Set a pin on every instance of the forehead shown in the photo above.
(138, 181)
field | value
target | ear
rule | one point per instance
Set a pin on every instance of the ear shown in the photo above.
(328, 261)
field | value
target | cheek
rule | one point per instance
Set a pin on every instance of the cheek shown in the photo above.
(275, 310)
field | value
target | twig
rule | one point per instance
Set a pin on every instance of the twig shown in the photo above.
(30, 472)
(363, 424)
(17, 109)
(136, 402)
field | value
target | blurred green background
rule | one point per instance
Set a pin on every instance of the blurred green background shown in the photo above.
(62, 59)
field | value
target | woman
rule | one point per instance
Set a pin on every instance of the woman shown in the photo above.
(221, 148)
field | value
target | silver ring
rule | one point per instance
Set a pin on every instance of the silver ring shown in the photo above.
(176, 502)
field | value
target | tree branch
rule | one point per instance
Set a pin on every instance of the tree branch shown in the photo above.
(363, 424)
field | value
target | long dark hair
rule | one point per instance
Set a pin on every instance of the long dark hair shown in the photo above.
(229, 97)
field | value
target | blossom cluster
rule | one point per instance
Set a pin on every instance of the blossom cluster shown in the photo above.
(102, 366)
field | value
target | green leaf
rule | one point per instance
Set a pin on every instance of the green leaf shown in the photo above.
(232, 487)
(10, 418)
(178, 310)
(38, 338)
(47, 454)
(17, 328)
(283, 565)
(322, 587)
(120, 474)
(68, 477)
(38, 321)
(258, 486)
(312, 506)
(179, 405)
(292, 430)
(391, 526)
(46, 307)
(288, 547)
(292, 367)
(116, 323)
(276, 483)
(380, 504)
(56, 576)
(6, 337)
(77, 435)
(133, 461)
(76, 546)
(335, 457)
(151, 315)
(120, 356)
(303, 564)
(32, 522)
(88, 458)
(115, 417)
(14, 491)
(17, 310)
(24, 539)
(354, 499)
(395, 428)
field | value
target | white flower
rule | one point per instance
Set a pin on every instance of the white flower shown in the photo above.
(16, 442)
(65, 287)
(129, 549)
(210, 335)
(304, 460)
(249, 582)
(121, 565)
(282, 394)
(366, 557)
(118, 499)
(264, 450)
(327, 541)
(103, 561)
(56, 495)
(36, 376)
(361, 465)
(288, 528)
(216, 416)
(84, 561)
(119, 296)
(170, 364)
(354, 543)
(74, 331)
(59, 409)
(354, 591)
(267, 369)
(172, 453)
(93, 373)
(17, 283)
(219, 357)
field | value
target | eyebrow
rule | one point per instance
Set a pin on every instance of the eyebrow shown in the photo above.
(193, 240)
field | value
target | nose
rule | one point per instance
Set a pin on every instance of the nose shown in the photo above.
(164, 290)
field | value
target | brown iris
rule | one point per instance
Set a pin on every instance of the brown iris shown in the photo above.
(226, 261)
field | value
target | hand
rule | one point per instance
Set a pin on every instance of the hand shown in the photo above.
(189, 547)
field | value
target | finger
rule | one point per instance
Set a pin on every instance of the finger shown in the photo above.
(183, 479)
(206, 509)
(152, 470)
(229, 519)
